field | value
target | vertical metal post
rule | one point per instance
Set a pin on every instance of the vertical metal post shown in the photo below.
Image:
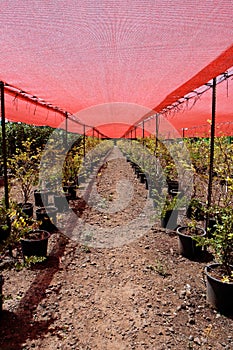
(212, 136)
(183, 133)
(183, 130)
(143, 133)
(156, 131)
(131, 135)
(66, 116)
(135, 132)
(84, 141)
(93, 132)
(4, 150)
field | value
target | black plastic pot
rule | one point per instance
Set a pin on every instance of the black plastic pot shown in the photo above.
(187, 245)
(61, 202)
(169, 220)
(71, 189)
(27, 208)
(48, 218)
(142, 177)
(4, 233)
(172, 185)
(137, 170)
(1, 295)
(41, 198)
(176, 193)
(219, 294)
(35, 247)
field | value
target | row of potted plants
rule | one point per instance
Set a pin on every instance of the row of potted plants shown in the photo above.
(193, 239)
(18, 229)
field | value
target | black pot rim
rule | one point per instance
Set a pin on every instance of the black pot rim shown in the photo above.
(213, 265)
(41, 191)
(36, 240)
(184, 227)
(25, 205)
(48, 209)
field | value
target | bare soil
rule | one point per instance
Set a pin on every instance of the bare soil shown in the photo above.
(133, 293)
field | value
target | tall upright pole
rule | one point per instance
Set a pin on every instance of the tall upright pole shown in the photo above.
(66, 116)
(143, 132)
(84, 141)
(4, 150)
(135, 132)
(212, 136)
(156, 131)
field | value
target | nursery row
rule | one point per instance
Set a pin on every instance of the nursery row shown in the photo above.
(206, 226)
(171, 176)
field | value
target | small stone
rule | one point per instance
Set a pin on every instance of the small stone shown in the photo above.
(182, 294)
(171, 329)
(197, 341)
(191, 320)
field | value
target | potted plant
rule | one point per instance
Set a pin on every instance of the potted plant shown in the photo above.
(167, 208)
(219, 274)
(26, 230)
(41, 197)
(187, 244)
(169, 214)
(25, 168)
(47, 216)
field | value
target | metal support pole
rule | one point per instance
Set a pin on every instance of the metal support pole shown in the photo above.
(131, 135)
(156, 131)
(212, 136)
(183, 130)
(135, 132)
(84, 141)
(143, 132)
(4, 150)
(66, 116)
(93, 132)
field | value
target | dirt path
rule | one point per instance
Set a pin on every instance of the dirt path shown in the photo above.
(127, 290)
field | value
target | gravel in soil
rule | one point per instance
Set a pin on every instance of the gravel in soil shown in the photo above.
(137, 294)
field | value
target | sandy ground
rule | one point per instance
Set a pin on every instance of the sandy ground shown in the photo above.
(113, 280)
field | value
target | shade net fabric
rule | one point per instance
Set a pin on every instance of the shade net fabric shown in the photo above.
(111, 64)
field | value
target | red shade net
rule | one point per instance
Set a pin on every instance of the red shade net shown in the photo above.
(109, 64)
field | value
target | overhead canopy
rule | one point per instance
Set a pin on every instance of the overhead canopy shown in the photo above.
(110, 64)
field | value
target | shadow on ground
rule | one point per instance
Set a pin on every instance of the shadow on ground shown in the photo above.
(16, 327)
